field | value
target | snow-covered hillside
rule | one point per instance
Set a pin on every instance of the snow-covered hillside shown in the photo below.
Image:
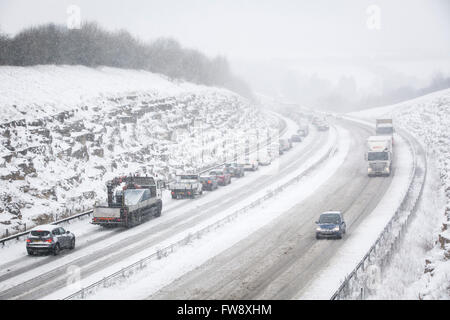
(65, 130)
(428, 118)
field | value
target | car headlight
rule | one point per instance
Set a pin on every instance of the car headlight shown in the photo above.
(369, 169)
(386, 169)
(336, 229)
(319, 229)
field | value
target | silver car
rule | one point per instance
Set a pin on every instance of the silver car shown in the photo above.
(49, 239)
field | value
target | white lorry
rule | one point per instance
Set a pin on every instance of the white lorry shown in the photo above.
(186, 186)
(379, 156)
(384, 127)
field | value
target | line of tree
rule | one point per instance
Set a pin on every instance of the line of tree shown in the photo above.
(344, 96)
(94, 46)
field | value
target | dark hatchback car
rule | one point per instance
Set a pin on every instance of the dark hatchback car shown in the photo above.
(209, 183)
(330, 224)
(323, 126)
(236, 170)
(49, 239)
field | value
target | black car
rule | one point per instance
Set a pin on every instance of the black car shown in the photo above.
(229, 170)
(223, 176)
(209, 183)
(49, 239)
(236, 170)
(331, 224)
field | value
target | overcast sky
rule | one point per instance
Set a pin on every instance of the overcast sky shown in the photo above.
(261, 29)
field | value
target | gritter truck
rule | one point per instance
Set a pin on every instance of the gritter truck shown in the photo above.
(131, 201)
(379, 156)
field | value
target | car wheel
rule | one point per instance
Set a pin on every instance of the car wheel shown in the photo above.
(56, 250)
(158, 211)
(317, 237)
(30, 252)
(72, 244)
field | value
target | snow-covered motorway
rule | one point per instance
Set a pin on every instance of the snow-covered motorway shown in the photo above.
(274, 262)
(23, 277)
(277, 261)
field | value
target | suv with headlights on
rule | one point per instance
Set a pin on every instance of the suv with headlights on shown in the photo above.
(49, 239)
(331, 224)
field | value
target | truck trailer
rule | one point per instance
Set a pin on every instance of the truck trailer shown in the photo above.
(384, 127)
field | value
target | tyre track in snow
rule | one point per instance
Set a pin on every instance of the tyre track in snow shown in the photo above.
(278, 260)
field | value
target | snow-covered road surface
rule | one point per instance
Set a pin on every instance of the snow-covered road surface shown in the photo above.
(262, 265)
(419, 267)
(278, 260)
(36, 277)
(267, 254)
(362, 237)
(247, 223)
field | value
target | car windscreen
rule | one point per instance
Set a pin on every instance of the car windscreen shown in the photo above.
(375, 156)
(188, 177)
(216, 173)
(384, 130)
(330, 218)
(40, 233)
(132, 197)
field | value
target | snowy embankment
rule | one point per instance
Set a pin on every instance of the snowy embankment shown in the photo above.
(420, 268)
(66, 130)
(31, 93)
(164, 271)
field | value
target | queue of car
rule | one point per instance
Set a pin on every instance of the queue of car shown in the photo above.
(53, 238)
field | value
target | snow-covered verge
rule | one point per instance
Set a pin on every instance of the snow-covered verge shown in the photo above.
(65, 130)
(420, 268)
